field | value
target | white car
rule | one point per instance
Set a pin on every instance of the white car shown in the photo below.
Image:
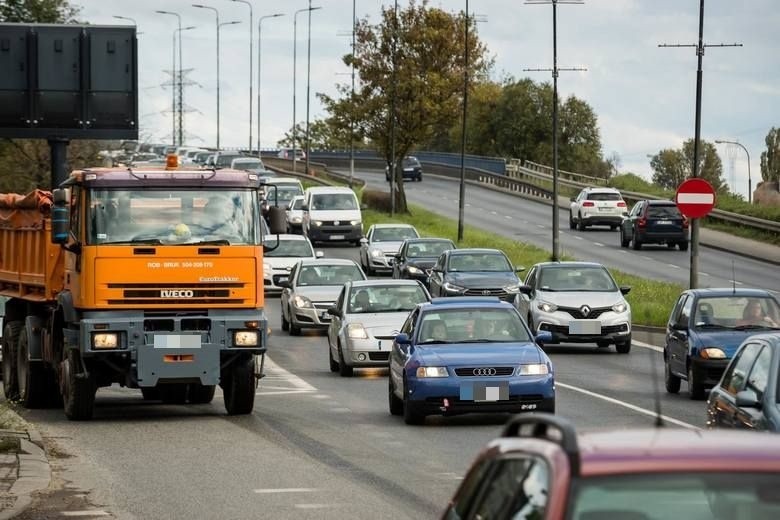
(312, 289)
(597, 207)
(295, 214)
(252, 164)
(366, 318)
(380, 245)
(281, 256)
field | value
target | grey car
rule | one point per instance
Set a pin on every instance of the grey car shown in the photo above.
(366, 318)
(311, 289)
(380, 245)
(577, 302)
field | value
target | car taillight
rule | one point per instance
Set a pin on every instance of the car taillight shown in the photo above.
(642, 222)
(621, 204)
(587, 204)
(685, 223)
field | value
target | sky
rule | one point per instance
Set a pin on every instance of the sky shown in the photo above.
(644, 96)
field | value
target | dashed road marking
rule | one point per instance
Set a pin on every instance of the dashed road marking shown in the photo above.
(448, 475)
(321, 396)
(673, 266)
(493, 213)
(624, 404)
(598, 244)
(540, 226)
(314, 506)
(341, 410)
(647, 258)
(578, 238)
(283, 382)
(735, 282)
(642, 344)
(268, 491)
(704, 274)
(508, 217)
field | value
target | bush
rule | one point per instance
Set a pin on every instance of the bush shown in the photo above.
(377, 200)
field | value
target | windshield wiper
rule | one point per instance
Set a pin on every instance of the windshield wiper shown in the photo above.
(711, 326)
(434, 342)
(751, 327)
(144, 241)
(476, 341)
(218, 242)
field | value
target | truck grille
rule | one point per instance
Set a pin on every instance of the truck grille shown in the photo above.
(176, 293)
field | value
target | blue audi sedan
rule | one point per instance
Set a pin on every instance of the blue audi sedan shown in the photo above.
(468, 355)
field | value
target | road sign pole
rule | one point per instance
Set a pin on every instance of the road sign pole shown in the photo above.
(695, 198)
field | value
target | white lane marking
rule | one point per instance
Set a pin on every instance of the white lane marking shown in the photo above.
(622, 251)
(84, 513)
(578, 238)
(624, 404)
(448, 475)
(276, 374)
(508, 217)
(468, 205)
(598, 244)
(642, 344)
(321, 396)
(314, 506)
(647, 258)
(704, 274)
(494, 213)
(340, 410)
(673, 266)
(735, 282)
(267, 491)
(540, 226)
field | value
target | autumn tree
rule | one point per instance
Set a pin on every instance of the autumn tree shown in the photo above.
(672, 166)
(770, 159)
(38, 11)
(323, 135)
(414, 62)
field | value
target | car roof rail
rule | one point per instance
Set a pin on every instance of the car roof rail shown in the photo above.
(464, 299)
(540, 426)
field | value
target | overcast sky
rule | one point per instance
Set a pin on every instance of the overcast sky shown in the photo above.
(644, 96)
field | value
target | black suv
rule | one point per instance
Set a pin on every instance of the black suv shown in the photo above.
(475, 272)
(654, 222)
(412, 169)
(417, 256)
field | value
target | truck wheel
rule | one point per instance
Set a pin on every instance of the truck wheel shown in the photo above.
(239, 389)
(150, 393)
(78, 393)
(10, 338)
(201, 394)
(31, 375)
(174, 393)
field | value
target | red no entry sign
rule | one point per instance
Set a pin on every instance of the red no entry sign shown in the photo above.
(695, 198)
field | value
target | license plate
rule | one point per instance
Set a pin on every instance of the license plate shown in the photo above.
(585, 327)
(484, 392)
(177, 341)
(337, 237)
(664, 222)
(604, 208)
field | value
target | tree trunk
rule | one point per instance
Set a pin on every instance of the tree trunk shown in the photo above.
(400, 194)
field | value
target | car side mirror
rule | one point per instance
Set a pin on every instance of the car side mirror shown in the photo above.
(681, 328)
(364, 240)
(625, 289)
(542, 337)
(305, 207)
(334, 311)
(747, 399)
(284, 284)
(319, 254)
(403, 339)
(526, 289)
(60, 216)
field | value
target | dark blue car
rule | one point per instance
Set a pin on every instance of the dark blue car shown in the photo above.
(461, 355)
(705, 329)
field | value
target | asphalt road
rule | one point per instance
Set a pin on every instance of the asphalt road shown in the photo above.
(531, 222)
(318, 445)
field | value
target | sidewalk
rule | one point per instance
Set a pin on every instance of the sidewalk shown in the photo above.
(24, 467)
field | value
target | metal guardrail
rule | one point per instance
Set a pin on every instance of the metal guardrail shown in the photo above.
(273, 164)
(479, 176)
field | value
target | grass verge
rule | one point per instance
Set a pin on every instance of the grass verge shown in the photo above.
(651, 301)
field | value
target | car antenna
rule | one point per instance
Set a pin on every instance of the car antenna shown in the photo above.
(659, 418)
(733, 278)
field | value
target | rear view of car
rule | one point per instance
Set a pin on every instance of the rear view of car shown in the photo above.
(597, 206)
(654, 222)
(411, 169)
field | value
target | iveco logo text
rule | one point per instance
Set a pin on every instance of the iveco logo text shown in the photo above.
(169, 293)
(484, 371)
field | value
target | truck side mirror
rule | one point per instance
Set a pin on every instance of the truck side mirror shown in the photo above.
(277, 219)
(60, 216)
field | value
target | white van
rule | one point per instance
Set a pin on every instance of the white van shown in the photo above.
(331, 214)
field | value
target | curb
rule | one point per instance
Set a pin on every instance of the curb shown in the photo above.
(34, 470)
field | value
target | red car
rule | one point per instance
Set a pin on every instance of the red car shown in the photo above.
(540, 468)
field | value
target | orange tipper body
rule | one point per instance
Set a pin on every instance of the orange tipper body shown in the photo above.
(154, 281)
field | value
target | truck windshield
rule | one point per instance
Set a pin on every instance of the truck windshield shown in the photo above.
(173, 217)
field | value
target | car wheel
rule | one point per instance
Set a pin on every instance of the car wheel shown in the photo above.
(613, 227)
(419, 178)
(344, 369)
(285, 323)
(396, 405)
(671, 381)
(572, 225)
(623, 347)
(602, 344)
(580, 223)
(623, 241)
(334, 365)
(636, 243)
(683, 246)
(695, 387)
(295, 330)
(411, 416)
(670, 245)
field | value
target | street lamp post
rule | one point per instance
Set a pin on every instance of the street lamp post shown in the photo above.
(251, 71)
(352, 119)
(750, 181)
(295, 58)
(259, 71)
(308, 85)
(180, 87)
(462, 192)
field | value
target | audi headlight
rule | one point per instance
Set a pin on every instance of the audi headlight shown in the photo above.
(620, 307)
(547, 307)
(535, 369)
(302, 301)
(317, 223)
(376, 253)
(447, 286)
(712, 353)
(356, 331)
(512, 289)
(414, 270)
(432, 372)
(245, 338)
(105, 340)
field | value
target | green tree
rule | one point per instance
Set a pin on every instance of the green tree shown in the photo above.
(672, 166)
(770, 159)
(416, 60)
(38, 11)
(323, 134)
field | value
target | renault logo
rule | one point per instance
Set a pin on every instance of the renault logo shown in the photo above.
(585, 310)
(484, 371)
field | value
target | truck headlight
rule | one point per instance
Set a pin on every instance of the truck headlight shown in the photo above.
(302, 301)
(432, 372)
(535, 369)
(245, 338)
(356, 331)
(547, 307)
(105, 340)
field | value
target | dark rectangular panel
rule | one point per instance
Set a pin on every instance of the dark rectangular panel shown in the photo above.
(14, 73)
(59, 58)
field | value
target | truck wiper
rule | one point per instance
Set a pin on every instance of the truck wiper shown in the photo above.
(220, 242)
(144, 241)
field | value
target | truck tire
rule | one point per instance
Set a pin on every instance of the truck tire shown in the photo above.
(174, 393)
(10, 338)
(201, 394)
(239, 387)
(31, 376)
(78, 393)
(150, 393)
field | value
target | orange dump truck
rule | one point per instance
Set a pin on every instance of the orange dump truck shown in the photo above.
(149, 279)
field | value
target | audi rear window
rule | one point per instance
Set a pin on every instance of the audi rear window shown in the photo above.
(604, 196)
(663, 212)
